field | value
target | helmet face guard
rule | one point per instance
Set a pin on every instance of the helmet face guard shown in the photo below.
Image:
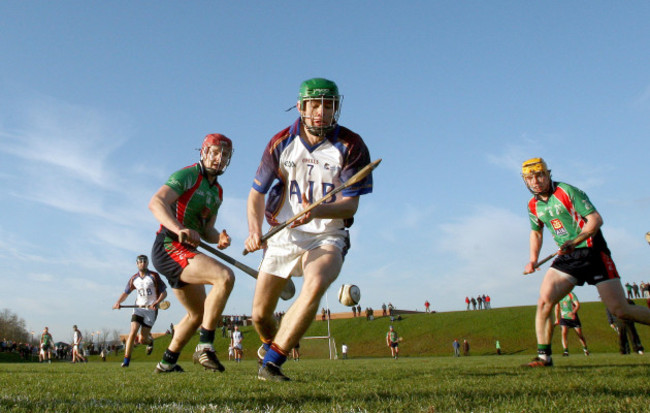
(535, 166)
(327, 93)
(225, 151)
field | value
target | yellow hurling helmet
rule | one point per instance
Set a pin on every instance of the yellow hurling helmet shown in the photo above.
(534, 165)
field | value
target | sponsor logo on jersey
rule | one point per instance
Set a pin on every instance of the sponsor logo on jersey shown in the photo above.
(558, 227)
(330, 167)
(310, 160)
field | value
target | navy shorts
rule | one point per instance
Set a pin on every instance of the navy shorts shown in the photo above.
(587, 265)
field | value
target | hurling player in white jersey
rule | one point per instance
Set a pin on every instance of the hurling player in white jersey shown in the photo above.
(236, 344)
(151, 290)
(301, 164)
(77, 350)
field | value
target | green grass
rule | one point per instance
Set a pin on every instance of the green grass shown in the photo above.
(599, 383)
(432, 334)
(424, 379)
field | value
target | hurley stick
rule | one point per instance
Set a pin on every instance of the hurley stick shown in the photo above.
(353, 180)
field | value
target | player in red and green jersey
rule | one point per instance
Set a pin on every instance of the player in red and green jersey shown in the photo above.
(583, 255)
(186, 207)
(566, 315)
(47, 343)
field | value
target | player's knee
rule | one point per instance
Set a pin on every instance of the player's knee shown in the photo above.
(544, 305)
(224, 279)
(316, 287)
(261, 319)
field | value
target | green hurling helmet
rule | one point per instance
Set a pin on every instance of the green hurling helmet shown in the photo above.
(323, 90)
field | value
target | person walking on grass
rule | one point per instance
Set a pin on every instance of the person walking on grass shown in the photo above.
(456, 346)
(46, 345)
(300, 165)
(392, 341)
(186, 207)
(77, 342)
(236, 342)
(566, 315)
(151, 290)
(583, 255)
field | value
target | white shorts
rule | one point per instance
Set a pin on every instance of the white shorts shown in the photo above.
(148, 316)
(282, 257)
(237, 346)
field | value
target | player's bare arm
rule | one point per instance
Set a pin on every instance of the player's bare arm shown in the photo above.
(255, 214)
(160, 206)
(342, 208)
(536, 240)
(161, 297)
(594, 222)
(120, 300)
(214, 236)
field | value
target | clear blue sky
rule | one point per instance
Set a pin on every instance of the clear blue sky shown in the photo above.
(101, 101)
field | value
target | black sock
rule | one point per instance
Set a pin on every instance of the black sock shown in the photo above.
(170, 357)
(206, 336)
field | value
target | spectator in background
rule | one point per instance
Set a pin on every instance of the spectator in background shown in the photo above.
(427, 306)
(467, 302)
(456, 346)
(626, 333)
(344, 351)
(295, 352)
(465, 348)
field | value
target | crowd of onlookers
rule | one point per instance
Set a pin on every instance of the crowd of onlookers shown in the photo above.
(634, 290)
(24, 349)
(481, 302)
(29, 351)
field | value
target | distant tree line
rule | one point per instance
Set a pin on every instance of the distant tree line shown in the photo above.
(12, 327)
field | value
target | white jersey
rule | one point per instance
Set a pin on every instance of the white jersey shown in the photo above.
(76, 337)
(148, 287)
(237, 338)
(310, 170)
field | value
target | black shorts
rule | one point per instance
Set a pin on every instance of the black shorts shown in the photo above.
(567, 322)
(587, 265)
(170, 258)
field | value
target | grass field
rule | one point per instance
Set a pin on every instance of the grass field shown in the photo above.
(599, 383)
(424, 379)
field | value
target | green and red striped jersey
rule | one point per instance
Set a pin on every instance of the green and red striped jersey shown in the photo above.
(199, 200)
(564, 215)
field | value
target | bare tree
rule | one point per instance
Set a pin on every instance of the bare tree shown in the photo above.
(13, 327)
